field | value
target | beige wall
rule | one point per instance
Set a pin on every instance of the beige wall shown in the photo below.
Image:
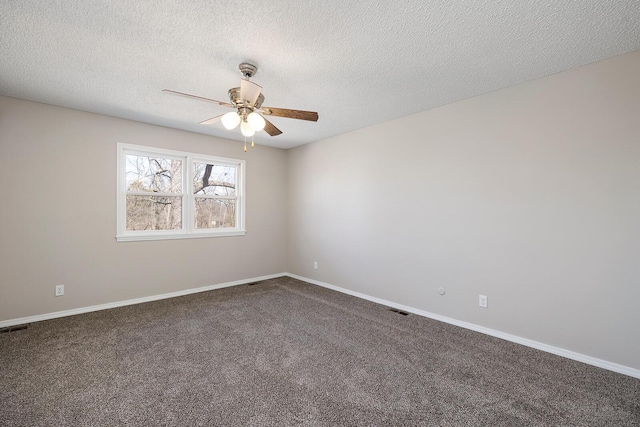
(58, 214)
(530, 195)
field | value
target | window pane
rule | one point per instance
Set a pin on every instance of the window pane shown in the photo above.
(214, 180)
(215, 213)
(154, 213)
(154, 174)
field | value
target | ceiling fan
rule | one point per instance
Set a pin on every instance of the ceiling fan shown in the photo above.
(247, 101)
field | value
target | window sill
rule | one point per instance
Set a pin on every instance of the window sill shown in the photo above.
(138, 238)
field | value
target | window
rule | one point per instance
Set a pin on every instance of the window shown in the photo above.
(166, 194)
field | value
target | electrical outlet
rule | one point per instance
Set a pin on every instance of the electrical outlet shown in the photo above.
(315, 265)
(59, 290)
(483, 301)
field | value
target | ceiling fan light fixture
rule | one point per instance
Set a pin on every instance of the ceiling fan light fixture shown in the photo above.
(246, 129)
(256, 121)
(231, 120)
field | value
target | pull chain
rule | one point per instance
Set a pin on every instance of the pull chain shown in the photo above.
(245, 144)
(252, 144)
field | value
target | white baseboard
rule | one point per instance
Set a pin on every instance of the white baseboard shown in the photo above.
(621, 369)
(72, 312)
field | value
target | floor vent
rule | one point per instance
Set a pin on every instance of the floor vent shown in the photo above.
(13, 328)
(404, 313)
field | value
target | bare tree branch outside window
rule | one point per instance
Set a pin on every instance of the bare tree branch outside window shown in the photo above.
(216, 186)
(159, 211)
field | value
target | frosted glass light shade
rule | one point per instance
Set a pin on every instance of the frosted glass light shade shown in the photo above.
(246, 129)
(231, 120)
(256, 121)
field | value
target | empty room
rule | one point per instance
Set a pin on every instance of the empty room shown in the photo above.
(387, 213)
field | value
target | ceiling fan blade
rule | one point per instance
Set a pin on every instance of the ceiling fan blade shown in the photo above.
(291, 114)
(200, 98)
(249, 91)
(212, 120)
(271, 129)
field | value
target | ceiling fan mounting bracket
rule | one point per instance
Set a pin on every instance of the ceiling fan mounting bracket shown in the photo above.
(248, 70)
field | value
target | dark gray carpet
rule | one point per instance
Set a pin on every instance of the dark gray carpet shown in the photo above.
(284, 352)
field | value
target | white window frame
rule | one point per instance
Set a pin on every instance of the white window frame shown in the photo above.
(188, 230)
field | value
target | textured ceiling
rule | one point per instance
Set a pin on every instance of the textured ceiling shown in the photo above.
(355, 62)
